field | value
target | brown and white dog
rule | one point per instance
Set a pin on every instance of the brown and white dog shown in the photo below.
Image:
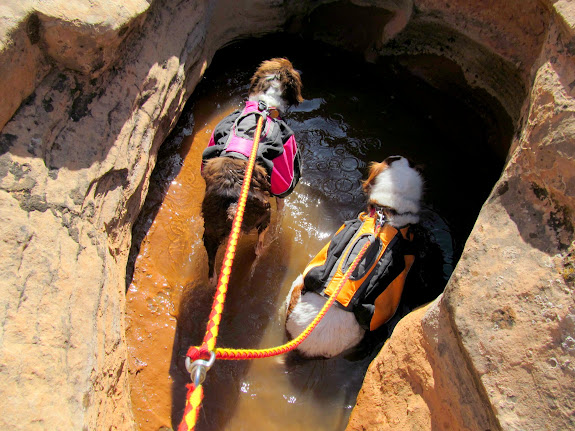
(394, 187)
(274, 87)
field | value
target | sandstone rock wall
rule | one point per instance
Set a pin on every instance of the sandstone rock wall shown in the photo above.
(82, 36)
(419, 381)
(512, 296)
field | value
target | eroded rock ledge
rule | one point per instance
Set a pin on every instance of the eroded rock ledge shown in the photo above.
(91, 90)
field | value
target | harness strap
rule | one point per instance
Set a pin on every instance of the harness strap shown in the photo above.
(239, 147)
(389, 255)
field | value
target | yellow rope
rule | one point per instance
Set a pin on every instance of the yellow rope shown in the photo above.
(192, 410)
(195, 394)
(235, 354)
(226, 270)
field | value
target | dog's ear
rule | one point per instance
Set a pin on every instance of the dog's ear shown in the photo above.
(389, 160)
(417, 166)
(291, 81)
(375, 169)
(258, 83)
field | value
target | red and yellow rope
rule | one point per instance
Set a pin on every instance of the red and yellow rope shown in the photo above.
(195, 392)
(192, 410)
(238, 354)
(226, 270)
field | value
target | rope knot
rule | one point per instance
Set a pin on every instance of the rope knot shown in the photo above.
(197, 367)
(201, 352)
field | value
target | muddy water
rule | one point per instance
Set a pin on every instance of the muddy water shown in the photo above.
(362, 113)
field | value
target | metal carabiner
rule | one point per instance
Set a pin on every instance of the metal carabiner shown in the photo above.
(380, 217)
(199, 368)
(263, 108)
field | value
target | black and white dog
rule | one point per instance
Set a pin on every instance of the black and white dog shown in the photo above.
(394, 188)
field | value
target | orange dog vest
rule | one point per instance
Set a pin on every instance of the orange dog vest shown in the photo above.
(374, 289)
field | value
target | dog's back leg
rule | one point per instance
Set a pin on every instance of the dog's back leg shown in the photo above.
(263, 227)
(211, 244)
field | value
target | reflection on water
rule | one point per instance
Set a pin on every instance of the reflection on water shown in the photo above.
(362, 113)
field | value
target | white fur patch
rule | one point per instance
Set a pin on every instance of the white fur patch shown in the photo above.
(400, 220)
(273, 97)
(398, 187)
(336, 332)
(297, 282)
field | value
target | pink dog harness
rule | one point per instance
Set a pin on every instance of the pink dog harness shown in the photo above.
(277, 151)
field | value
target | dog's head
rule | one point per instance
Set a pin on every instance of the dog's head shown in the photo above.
(396, 185)
(276, 78)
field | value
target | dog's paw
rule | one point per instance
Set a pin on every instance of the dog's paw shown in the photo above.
(280, 360)
(260, 246)
(280, 204)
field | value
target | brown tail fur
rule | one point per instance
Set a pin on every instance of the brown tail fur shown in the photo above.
(224, 177)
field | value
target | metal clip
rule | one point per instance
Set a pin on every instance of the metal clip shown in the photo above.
(380, 217)
(199, 368)
(262, 106)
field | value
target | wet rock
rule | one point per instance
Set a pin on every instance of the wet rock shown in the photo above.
(420, 380)
(37, 36)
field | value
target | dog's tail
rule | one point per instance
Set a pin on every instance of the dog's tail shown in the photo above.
(257, 211)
